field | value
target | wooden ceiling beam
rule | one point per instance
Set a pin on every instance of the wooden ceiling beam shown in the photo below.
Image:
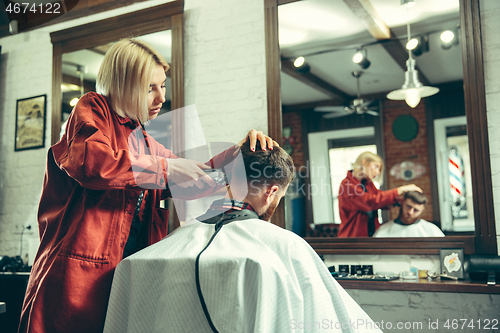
(376, 26)
(315, 82)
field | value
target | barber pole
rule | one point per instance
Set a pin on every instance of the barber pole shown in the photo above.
(457, 179)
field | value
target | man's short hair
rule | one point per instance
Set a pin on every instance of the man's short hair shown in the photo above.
(417, 197)
(267, 167)
(124, 77)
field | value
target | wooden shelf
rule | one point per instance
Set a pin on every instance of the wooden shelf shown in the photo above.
(461, 286)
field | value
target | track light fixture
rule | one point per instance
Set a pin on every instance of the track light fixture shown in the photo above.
(418, 45)
(360, 58)
(301, 66)
(448, 39)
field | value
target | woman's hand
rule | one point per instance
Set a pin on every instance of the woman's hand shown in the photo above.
(186, 173)
(407, 188)
(253, 136)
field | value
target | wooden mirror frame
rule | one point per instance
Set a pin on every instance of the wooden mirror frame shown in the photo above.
(158, 18)
(484, 239)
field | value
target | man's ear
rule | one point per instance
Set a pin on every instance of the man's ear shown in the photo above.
(271, 192)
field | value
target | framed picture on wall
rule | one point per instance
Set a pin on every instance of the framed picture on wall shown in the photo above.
(30, 123)
(452, 262)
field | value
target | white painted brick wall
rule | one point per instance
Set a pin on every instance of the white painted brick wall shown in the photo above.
(490, 25)
(26, 71)
(225, 66)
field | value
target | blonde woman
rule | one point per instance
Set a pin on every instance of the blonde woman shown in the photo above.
(359, 199)
(94, 208)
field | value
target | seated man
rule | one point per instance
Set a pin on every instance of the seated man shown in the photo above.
(230, 270)
(409, 223)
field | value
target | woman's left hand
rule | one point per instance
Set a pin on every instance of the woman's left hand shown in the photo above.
(265, 141)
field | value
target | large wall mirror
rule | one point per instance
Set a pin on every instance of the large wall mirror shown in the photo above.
(79, 51)
(324, 130)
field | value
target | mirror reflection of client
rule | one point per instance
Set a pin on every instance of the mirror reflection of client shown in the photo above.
(359, 199)
(230, 270)
(409, 223)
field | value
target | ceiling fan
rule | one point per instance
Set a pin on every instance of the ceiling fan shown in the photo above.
(358, 105)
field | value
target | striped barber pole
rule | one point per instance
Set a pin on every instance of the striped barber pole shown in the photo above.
(456, 176)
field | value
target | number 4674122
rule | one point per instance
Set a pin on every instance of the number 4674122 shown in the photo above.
(24, 8)
(485, 324)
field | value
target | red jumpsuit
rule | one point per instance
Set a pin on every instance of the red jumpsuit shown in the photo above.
(354, 203)
(89, 196)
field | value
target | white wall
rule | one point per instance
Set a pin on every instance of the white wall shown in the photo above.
(224, 76)
(490, 25)
(225, 66)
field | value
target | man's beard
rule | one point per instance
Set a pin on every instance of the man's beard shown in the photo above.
(270, 211)
(405, 220)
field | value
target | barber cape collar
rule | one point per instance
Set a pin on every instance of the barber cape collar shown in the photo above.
(228, 210)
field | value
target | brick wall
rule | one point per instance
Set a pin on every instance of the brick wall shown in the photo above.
(416, 150)
(26, 71)
(294, 121)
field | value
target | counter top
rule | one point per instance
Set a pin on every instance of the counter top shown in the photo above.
(438, 285)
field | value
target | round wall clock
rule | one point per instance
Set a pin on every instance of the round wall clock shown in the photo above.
(405, 128)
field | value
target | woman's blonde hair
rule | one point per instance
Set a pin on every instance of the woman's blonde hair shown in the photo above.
(369, 157)
(124, 77)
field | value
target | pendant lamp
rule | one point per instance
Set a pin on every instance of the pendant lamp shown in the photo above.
(412, 90)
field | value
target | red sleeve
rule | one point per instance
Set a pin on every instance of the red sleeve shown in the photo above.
(193, 192)
(223, 158)
(353, 197)
(96, 153)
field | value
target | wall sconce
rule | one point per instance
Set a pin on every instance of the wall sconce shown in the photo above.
(360, 58)
(301, 66)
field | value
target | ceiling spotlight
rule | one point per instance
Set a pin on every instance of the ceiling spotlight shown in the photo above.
(301, 66)
(412, 44)
(73, 101)
(13, 27)
(360, 58)
(448, 39)
(299, 61)
(447, 36)
(418, 45)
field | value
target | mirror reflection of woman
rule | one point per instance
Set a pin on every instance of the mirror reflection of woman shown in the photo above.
(360, 200)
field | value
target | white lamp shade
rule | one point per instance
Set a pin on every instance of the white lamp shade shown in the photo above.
(411, 93)
(412, 90)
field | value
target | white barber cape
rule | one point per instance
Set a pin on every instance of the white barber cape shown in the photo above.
(254, 276)
(420, 229)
